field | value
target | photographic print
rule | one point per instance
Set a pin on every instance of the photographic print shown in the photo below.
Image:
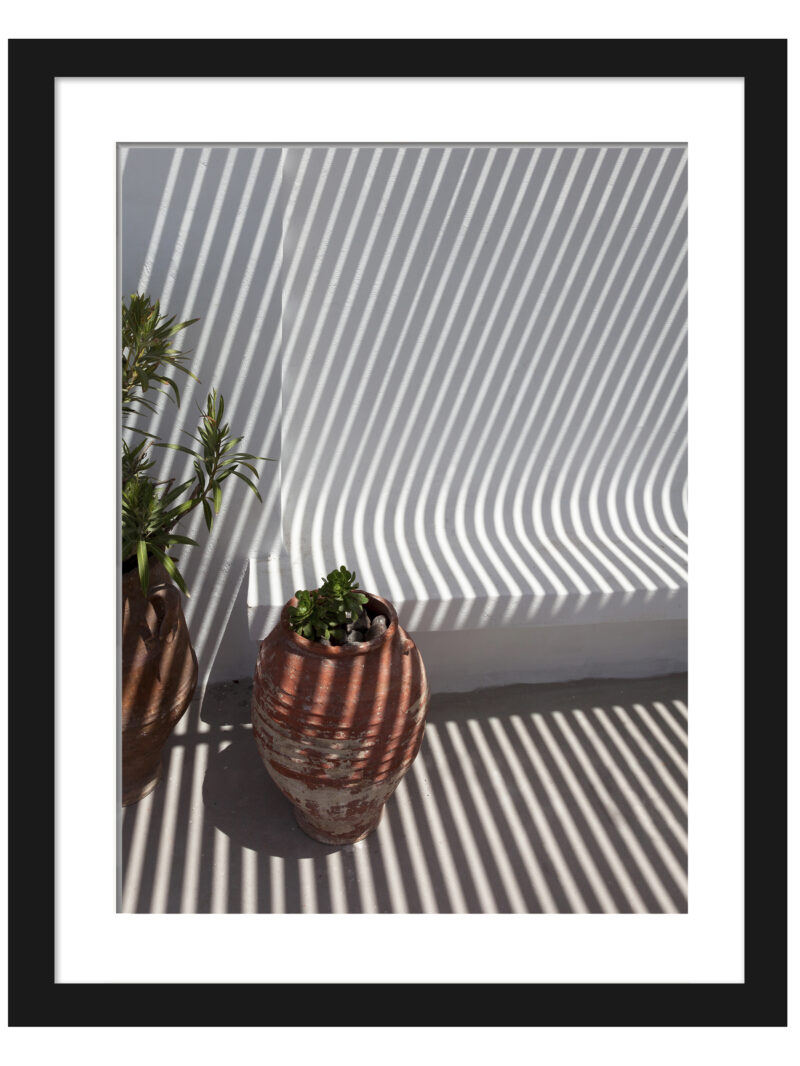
(434, 655)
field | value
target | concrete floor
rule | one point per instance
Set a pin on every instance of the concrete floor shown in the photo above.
(526, 798)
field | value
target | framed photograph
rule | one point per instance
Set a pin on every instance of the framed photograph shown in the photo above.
(681, 115)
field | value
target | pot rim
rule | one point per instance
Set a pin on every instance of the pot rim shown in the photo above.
(130, 578)
(313, 647)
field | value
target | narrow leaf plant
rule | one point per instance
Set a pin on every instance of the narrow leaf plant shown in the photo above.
(151, 509)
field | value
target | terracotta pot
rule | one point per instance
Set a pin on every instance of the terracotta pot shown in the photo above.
(337, 728)
(159, 674)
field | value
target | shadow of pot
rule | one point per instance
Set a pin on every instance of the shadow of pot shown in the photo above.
(242, 802)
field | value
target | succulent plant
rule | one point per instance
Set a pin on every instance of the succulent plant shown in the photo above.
(324, 613)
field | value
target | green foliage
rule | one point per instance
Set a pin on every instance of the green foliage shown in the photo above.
(146, 351)
(149, 513)
(147, 519)
(323, 613)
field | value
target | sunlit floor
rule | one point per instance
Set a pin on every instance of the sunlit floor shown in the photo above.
(526, 798)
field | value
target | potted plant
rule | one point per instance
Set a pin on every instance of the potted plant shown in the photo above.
(338, 707)
(159, 666)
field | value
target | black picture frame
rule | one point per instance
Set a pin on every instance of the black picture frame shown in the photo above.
(35, 999)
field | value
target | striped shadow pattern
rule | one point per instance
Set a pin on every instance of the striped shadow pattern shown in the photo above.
(470, 361)
(523, 799)
(202, 229)
(484, 376)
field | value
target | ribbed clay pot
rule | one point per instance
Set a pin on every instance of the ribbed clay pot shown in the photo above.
(159, 674)
(338, 727)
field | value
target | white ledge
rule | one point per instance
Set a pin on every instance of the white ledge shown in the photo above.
(270, 585)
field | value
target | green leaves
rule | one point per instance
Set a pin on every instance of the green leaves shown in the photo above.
(214, 460)
(134, 460)
(323, 613)
(144, 571)
(146, 519)
(146, 351)
(171, 568)
(150, 508)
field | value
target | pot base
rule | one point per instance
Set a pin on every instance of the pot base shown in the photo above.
(138, 791)
(352, 837)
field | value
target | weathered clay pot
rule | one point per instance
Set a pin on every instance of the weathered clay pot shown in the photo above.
(159, 674)
(338, 727)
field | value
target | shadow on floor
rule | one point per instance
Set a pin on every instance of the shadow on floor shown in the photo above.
(555, 798)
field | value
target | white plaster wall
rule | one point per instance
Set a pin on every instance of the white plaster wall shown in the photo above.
(472, 365)
(201, 229)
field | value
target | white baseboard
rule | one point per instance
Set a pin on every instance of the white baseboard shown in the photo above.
(460, 662)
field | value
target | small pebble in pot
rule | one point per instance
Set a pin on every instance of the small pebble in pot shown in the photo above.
(378, 627)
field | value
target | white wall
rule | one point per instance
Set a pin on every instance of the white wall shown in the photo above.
(472, 365)
(201, 229)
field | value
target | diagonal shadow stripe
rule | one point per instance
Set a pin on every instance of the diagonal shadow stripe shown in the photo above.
(524, 798)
